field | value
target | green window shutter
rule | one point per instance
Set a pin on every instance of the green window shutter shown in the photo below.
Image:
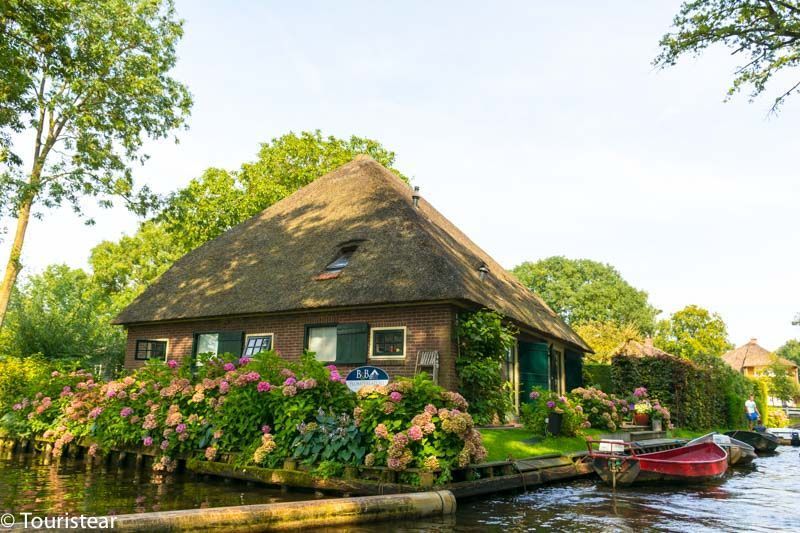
(352, 343)
(230, 342)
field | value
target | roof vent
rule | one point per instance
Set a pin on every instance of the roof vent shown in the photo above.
(415, 197)
(483, 271)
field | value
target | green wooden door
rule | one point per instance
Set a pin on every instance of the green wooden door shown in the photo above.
(533, 368)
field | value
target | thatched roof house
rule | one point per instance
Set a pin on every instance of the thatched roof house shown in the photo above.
(355, 239)
(752, 360)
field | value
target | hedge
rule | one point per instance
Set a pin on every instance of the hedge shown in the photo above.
(700, 395)
(598, 376)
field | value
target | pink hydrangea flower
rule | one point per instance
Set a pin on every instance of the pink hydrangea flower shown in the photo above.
(164, 444)
(290, 381)
(172, 363)
(125, 412)
(229, 367)
(263, 386)
(534, 395)
(395, 396)
(415, 433)
(224, 387)
(244, 360)
(265, 429)
(180, 428)
(147, 441)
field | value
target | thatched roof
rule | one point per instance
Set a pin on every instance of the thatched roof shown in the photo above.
(753, 355)
(638, 349)
(271, 262)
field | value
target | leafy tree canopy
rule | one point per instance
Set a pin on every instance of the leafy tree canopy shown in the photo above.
(780, 382)
(123, 269)
(219, 199)
(581, 291)
(62, 314)
(85, 83)
(605, 337)
(693, 332)
(765, 32)
(790, 350)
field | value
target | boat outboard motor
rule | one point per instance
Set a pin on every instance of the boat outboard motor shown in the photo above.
(795, 438)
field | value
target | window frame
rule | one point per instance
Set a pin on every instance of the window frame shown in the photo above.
(372, 332)
(136, 349)
(309, 327)
(247, 337)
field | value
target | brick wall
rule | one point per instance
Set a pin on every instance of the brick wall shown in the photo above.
(429, 327)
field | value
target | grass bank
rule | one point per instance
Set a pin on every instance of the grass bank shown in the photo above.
(519, 443)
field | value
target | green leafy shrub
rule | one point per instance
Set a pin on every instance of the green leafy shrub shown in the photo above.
(700, 394)
(484, 339)
(330, 438)
(544, 404)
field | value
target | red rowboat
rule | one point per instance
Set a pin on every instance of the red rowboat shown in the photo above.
(617, 462)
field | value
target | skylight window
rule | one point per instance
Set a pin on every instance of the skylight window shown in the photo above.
(338, 264)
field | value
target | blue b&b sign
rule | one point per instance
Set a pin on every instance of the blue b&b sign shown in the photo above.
(366, 375)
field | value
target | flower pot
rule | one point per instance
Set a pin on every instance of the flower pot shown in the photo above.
(554, 421)
(656, 424)
(641, 419)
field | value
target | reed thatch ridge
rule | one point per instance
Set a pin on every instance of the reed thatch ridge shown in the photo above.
(752, 355)
(405, 254)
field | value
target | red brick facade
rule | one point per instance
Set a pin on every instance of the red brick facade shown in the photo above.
(428, 328)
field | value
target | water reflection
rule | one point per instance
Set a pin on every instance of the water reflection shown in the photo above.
(760, 498)
(75, 487)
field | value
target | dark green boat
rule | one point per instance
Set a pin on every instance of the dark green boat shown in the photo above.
(762, 442)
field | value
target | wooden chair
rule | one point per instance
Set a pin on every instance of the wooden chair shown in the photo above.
(428, 360)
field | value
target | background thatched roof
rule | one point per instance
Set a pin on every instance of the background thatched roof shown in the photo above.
(752, 355)
(269, 263)
(636, 348)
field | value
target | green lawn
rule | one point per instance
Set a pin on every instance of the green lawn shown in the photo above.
(519, 443)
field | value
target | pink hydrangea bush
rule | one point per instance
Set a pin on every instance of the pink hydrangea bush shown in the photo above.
(604, 411)
(416, 424)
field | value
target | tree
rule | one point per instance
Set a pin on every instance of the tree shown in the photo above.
(693, 332)
(219, 199)
(780, 382)
(605, 337)
(766, 32)
(123, 269)
(790, 350)
(87, 81)
(581, 291)
(62, 314)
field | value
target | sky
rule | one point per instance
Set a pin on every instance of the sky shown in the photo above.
(539, 129)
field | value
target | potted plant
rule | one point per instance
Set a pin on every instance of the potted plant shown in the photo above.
(641, 407)
(660, 415)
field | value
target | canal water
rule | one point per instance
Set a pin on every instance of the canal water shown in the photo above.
(763, 497)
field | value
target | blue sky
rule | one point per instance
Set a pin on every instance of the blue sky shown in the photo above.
(538, 128)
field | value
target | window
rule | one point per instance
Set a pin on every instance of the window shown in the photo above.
(338, 264)
(346, 344)
(150, 349)
(388, 342)
(257, 343)
(322, 341)
(207, 347)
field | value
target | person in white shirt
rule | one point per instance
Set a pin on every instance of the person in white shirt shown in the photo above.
(751, 410)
